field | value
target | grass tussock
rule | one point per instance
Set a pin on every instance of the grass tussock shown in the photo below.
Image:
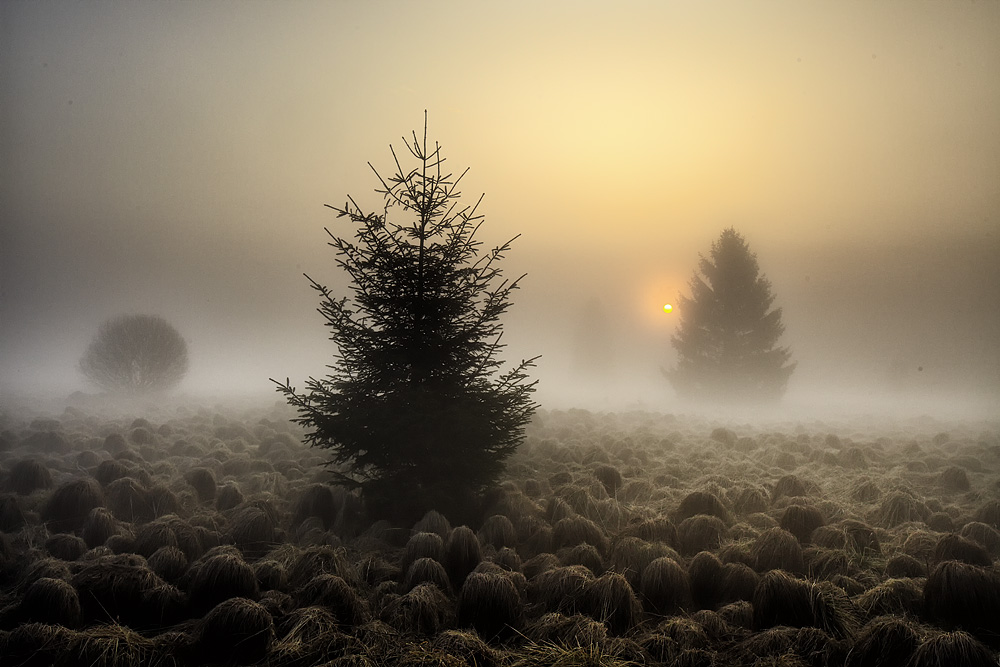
(490, 604)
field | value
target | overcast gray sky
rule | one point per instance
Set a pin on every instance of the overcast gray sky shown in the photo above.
(174, 158)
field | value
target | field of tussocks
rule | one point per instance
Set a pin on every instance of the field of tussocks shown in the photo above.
(207, 535)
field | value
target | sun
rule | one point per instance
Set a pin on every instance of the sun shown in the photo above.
(667, 308)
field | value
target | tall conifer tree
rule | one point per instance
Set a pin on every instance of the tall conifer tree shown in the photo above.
(727, 341)
(416, 411)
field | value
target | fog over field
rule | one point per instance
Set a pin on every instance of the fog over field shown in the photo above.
(174, 159)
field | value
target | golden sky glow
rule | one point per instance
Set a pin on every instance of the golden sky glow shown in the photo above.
(178, 155)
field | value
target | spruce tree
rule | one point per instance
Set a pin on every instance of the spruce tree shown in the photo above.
(417, 411)
(727, 341)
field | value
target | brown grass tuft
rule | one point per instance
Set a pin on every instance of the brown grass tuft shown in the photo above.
(236, 631)
(220, 577)
(884, 641)
(423, 610)
(490, 604)
(701, 502)
(426, 570)
(611, 600)
(575, 530)
(433, 522)
(462, 553)
(29, 475)
(497, 531)
(335, 594)
(664, 587)
(965, 596)
(700, 533)
(801, 521)
(777, 549)
(956, 547)
(68, 507)
(952, 648)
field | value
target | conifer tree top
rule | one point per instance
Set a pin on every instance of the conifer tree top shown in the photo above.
(727, 341)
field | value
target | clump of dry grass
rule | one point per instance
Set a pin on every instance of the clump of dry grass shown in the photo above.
(582, 554)
(153, 536)
(52, 601)
(203, 481)
(966, 596)
(664, 587)
(705, 574)
(610, 477)
(544, 654)
(29, 475)
(468, 647)
(904, 565)
(739, 581)
(956, 547)
(788, 486)
(781, 599)
(777, 549)
(952, 648)
(656, 529)
(631, 555)
(701, 502)
(611, 600)
(271, 575)
(860, 539)
(98, 527)
(112, 588)
(236, 631)
(68, 506)
(228, 496)
(750, 500)
(866, 490)
(219, 577)
(954, 479)
(462, 553)
(169, 563)
(316, 500)
(561, 589)
(305, 564)
(989, 513)
(898, 597)
(541, 563)
(701, 532)
(335, 594)
(12, 515)
(900, 507)
(577, 529)
(308, 636)
(433, 522)
(426, 570)
(423, 610)
(109, 470)
(497, 531)
(884, 641)
(65, 546)
(985, 535)
(566, 630)
(489, 603)
(801, 521)
(253, 531)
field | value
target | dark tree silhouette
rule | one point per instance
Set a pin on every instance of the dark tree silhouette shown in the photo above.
(727, 341)
(416, 411)
(135, 354)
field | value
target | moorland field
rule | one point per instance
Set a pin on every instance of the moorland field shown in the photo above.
(210, 535)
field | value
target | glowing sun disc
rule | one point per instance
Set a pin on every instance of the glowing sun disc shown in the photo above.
(667, 308)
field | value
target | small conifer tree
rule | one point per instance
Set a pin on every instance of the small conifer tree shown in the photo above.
(727, 341)
(416, 411)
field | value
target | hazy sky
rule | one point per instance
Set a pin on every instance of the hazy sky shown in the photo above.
(174, 158)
